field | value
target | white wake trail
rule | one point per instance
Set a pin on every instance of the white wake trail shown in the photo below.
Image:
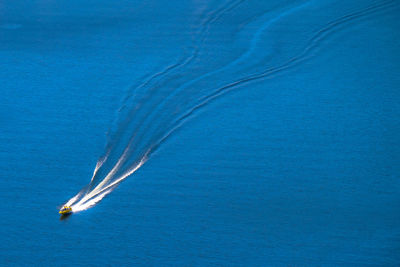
(85, 200)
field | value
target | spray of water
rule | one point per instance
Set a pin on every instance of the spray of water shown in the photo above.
(89, 196)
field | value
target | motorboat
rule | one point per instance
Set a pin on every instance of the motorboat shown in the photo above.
(65, 210)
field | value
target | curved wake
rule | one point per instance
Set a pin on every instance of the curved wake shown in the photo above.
(160, 106)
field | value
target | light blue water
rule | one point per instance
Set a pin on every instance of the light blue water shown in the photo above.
(269, 132)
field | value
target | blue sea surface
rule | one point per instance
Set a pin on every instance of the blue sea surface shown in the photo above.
(225, 133)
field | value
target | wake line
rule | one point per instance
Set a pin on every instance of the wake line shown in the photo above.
(89, 199)
(104, 187)
(203, 32)
(319, 36)
(100, 192)
(184, 61)
(241, 58)
(89, 196)
(164, 100)
(92, 194)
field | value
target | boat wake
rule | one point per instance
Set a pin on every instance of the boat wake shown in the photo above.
(88, 197)
(159, 105)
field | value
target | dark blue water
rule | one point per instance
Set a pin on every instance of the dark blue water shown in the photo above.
(269, 132)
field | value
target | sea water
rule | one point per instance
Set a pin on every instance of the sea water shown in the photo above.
(215, 133)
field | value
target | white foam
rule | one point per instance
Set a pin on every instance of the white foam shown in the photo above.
(85, 200)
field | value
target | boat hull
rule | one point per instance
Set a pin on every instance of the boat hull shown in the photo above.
(65, 210)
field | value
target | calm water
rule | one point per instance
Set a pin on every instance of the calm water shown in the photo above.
(267, 132)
